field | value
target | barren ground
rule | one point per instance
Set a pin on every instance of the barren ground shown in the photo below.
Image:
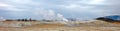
(61, 27)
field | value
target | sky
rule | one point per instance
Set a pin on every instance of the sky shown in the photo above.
(51, 9)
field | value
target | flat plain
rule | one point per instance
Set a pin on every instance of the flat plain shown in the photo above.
(37, 26)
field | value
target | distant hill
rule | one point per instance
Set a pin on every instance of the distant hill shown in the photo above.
(114, 18)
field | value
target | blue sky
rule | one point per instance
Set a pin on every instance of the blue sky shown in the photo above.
(39, 9)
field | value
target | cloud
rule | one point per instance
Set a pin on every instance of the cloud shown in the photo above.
(3, 5)
(96, 1)
(84, 9)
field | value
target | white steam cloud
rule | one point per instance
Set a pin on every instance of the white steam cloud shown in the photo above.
(2, 19)
(50, 15)
(61, 17)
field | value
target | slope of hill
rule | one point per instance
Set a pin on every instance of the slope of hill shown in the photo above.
(110, 18)
(114, 17)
